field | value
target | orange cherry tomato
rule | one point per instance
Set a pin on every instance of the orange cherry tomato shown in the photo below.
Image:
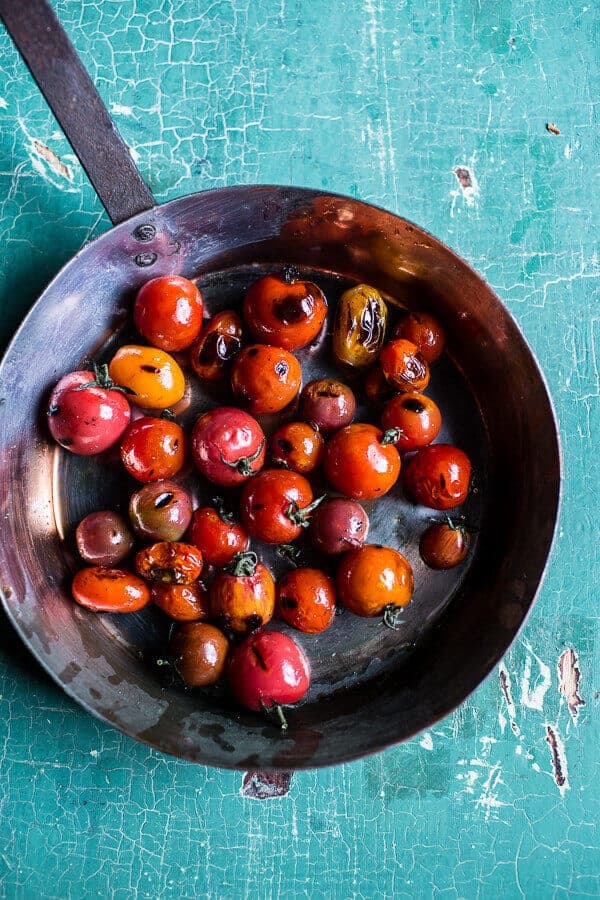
(373, 577)
(243, 598)
(416, 418)
(438, 476)
(182, 602)
(153, 449)
(217, 536)
(284, 312)
(444, 545)
(265, 379)
(109, 590)
(220, 341)
(377, 388)
(425, 331)
(276, 505)
(169, 562)
(168, 312)
(403, 366)
(306, 600)
(199, 653)
(358, 464)
(297, 446)
(151, 374)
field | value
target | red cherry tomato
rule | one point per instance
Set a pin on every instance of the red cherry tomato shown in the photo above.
(217, 537)
(283, 312)
(359, 465)
(276, 505)
(84, 416)
(306, 600)
(218, 344)
(169, 562)
(109, 590)
(265, 379)
(417, 419)
(444, 545)
(242, 598)
(267, 669)
(153, 449)
(182, 602)
(403, 366)
(425, 331)
(228, 446)
(438, 476)
(297, 446)
(168, 312)
(373, 577)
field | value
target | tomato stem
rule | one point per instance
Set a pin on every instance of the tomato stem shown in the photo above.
(391, 436)
(244, 465)
(391, 616)
(290, 274)
(277, 709)
(168, 414)
(243, 564)
(289, 552)
(103, 380)
(301, 516)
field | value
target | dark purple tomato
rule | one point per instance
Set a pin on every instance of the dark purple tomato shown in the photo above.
(160, 511)
(104, 538)
(338, 525)
(327, 404)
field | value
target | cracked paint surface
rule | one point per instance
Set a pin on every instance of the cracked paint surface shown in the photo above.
(388, 101)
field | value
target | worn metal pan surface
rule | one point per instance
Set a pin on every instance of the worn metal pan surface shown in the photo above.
(372, 686)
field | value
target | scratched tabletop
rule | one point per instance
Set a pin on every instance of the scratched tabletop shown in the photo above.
(440, 112)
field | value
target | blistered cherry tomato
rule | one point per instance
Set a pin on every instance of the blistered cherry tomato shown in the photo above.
(373, 577)
(425, 331)
(168, 312)
(338, 525)
(403, 366)
(265, 379)
(104, 538)
(327, 404)
(85, 414)
(151, 374)
(284, 312)
(199, 653)
(243, 598)
(416, 418)
(306, 600)
(217, 536)
(267, 669)
(182, 602)
(297, 446)
(160, 511)
(169, 562)
(377, 388)
(359, 327)
(444, 545)
(153, 449)
(358, 464)
(228, 446)
(109, 590)
(276, 505)
(438, 476)
(218, 344)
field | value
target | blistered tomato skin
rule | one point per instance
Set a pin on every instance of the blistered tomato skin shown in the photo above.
(297, 446)
(276, 505)
(169, 562)
(86, 420)
(160, 511)
(358, 464)
(101, 589)
(444, 546)
(425, 331)
(438, 476)
(284, 313)
(104, 538)
(219, 343)
(155, 379)
(417, 418)
(268, 669)
(403, 366)
(327, 404)
(199, 652)
(228, 446)
(153, 449)
(265, 379)
(338, 525)
(359, 327)
(218, 539)
(306, 600)
(373, 577)
(243, 599)
(182, 602)
(168, 312)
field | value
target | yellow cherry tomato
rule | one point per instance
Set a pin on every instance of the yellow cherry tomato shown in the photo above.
(154, 377)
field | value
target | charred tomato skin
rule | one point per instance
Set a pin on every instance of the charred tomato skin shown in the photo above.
(306, 600)
(417, 418)
(152, 375)
(242, 603)
(265, 379)
(403, 366)
(217, 346)
(284, 313)
(160, 511)
(425, 331)
(438, 476)
(297, 446)
(169, 562)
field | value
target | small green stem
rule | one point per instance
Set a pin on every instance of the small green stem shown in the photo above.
(391, 616)
(301, 516)
(391, 436)
(243, 564)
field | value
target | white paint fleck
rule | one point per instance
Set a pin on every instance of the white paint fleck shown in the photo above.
(426, 741)
(506, 687)
(3, 103)
(94, 753)
(488, 799)
(569, 676)
(534, 697)
(568, 151)
(502, 721)
(119, 110)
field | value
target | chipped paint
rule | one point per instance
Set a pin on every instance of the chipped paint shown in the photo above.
(426, 741)
(54, 161)
(3, 103)
(468, 186)
(558, 758)
(533, 697)
(569, 677)
(265, 785)
(505, 685)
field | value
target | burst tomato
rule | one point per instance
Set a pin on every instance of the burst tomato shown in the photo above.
(415, 417)
(425, 331)
(265, 379)
(297, 446)
(306, 600)
(243, 597)
(169, 562)
(438, 476)
(403, 366)
(218, 344)
(228, 446)
(284, 312)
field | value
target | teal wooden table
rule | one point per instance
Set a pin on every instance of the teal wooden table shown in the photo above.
(438, 111)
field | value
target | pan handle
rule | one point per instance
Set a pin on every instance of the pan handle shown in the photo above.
(72, 97)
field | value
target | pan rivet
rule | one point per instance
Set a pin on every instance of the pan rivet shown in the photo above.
(145, 259)
(144, 233)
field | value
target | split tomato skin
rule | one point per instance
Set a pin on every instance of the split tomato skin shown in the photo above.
(373, 577)
(228, 446)
(219, 343)
(306, 600)
(168, 312)
(284, 313)
(275, 506)
(169, 562)
(85, 418)
(297, 446)
(268, 669)
(438, 476)
(152, 375)
(181, 602)
(218, 539)
(403, 366)
(327, 404)
(102, 589)
(243, 599)
(265, 379)
(425, 331)
(358, 464)
(153, 449)
(160, 511)
(417, 418)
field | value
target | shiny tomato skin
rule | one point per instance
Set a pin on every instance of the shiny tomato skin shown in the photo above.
(373, 577)
(268, 668)
(265, 379)
(286, 314)
(403, 366)
(266, 501)
(169, 562)
(160, 511)
(425, 331)
(101, 589)
(182, 602)
(416, 416)
(168, 312)
(219, 343)
(199, 652)
(242, 603)
(103, 538)
(377, 388)
(154, 377)
(297, 446)
(358, 465)
(217, 539)
(327, 404)
(444, 546)
(228, 446)
(153, 449)
(306, 600)
(89, 420)
(338, 525)
(438, 476)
